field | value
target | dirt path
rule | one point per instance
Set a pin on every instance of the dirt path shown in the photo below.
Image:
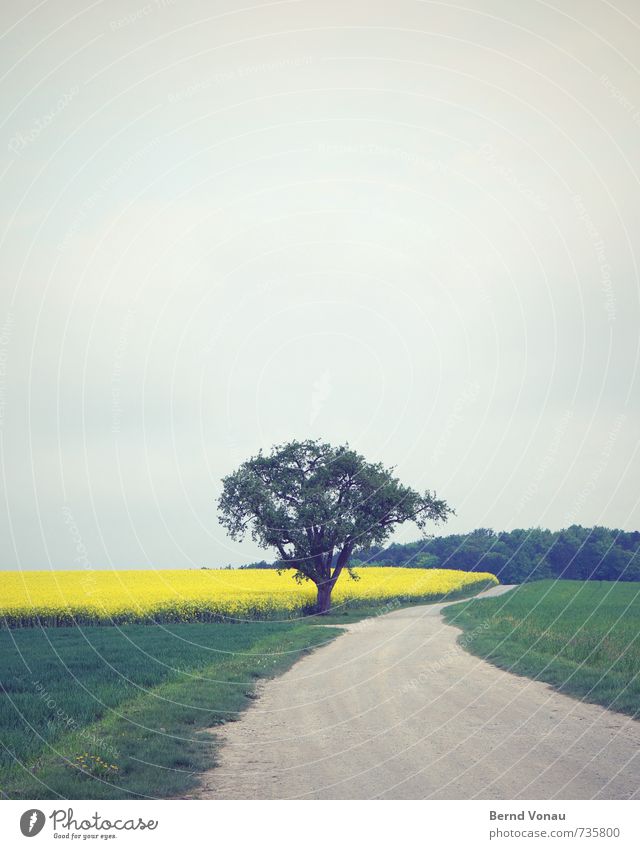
(395, 709)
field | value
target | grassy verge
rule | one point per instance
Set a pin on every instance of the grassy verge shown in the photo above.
(117, 713)
(343, 614)
(582, 637)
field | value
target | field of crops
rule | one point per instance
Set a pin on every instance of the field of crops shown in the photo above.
(123, 713)
(582, 637)
(63, 597)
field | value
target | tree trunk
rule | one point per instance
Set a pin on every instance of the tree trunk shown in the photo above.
(324, 599)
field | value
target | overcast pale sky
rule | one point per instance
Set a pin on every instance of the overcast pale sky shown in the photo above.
(409, 226)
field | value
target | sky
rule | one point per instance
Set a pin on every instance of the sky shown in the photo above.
(411, 227)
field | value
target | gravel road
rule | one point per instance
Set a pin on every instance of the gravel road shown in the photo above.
(395, 709)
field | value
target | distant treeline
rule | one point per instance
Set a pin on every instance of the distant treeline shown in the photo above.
(516, 556)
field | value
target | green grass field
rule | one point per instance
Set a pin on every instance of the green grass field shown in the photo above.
(106, 712)
(581, 637)
(117, 713)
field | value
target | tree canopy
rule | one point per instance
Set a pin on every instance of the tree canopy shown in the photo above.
(315, 503)
(520, 555)
(526, 554)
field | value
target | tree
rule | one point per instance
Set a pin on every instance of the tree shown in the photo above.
(425, 561)
(314, 503)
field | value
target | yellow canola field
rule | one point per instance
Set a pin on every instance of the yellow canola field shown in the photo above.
(171, 595)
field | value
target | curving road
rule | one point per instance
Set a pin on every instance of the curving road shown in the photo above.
(395, 709)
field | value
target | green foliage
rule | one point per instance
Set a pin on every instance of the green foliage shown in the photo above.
(314, 503)
(521, 555)
(581, 637)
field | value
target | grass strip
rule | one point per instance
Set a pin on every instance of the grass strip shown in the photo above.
(581, 637)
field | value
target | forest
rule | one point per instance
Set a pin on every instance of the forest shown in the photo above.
(574, 553)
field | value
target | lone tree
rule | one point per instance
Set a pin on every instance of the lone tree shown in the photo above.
(314, 503)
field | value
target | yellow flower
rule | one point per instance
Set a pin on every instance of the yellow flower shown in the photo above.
(64, 597)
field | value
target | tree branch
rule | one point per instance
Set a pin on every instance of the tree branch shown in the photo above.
(342, 561)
